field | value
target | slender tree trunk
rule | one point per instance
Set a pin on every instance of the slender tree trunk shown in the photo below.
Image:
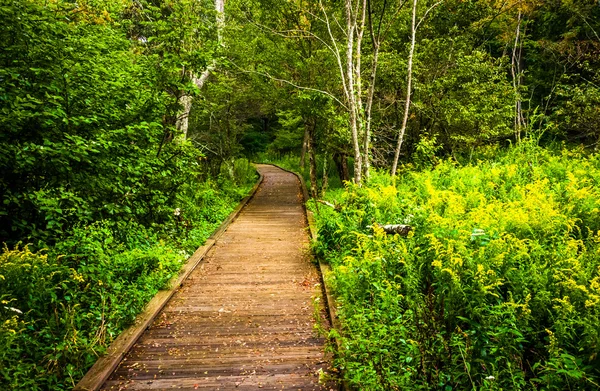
(325, 181)
(360, 113)
(185, 101)
(220, 18)
(350, 73)
(515, 65)
(304, 145)
(368, 110)
(182, 123)
(351, 17)
(408, 88)
(376, 40)
(311, 125)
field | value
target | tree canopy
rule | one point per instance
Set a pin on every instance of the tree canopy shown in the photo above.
(130, 123)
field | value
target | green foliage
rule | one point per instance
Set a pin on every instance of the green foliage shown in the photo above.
(425, 152)
(80, 127)
(578, 111)
(290, 137)
(72, 307)
(496, 288)
(88, 94)
(62, 309)
(472, 101)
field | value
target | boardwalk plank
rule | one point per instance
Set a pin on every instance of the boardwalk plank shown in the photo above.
(244, 319)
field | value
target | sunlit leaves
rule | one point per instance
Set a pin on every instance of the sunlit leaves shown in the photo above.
(502, 269)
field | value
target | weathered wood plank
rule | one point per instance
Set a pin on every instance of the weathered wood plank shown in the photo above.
(106, 364)
(244, 318)
(325, 272)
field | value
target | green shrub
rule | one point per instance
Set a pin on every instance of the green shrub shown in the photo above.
(93, 172)
(497, 287)
(62, 307)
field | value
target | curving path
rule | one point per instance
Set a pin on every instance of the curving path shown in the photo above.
(244, 319)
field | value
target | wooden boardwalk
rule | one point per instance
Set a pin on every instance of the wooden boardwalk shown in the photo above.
(244, 318)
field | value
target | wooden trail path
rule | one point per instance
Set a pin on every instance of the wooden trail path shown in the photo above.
(244, 318)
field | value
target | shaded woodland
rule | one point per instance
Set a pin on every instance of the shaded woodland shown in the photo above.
(127, 128)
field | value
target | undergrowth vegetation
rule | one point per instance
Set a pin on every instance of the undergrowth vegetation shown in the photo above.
(60, 307)
(497, 286)
(102, 200)
(291, 162)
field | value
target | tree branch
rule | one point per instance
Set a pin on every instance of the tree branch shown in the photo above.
(265, 74)
(427, 12)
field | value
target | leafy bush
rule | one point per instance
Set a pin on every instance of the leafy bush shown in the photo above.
(91, 174)
(67, 313)
(497, 287)
(62, 307)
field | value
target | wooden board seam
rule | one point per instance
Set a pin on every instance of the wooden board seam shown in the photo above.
(105, 365)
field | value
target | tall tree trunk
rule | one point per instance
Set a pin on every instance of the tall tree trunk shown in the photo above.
(325, 181)
(360, 114)
(311, 125)
(368, 111)
(304, 145)
(516, 76)
(185, 101)
(376, 40)
(408, 87)
(351, 17)
(182, 123)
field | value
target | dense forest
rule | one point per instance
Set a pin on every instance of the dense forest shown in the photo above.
(127, 129)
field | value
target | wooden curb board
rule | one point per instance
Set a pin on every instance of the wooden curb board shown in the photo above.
(105, 365)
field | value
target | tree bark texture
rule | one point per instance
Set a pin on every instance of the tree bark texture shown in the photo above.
(186, 101)
(325, 182)
(360, 114)
(183, 118)
(304, 145)
(368, 111)
(311, 125)
(351, 20)
(408, 88)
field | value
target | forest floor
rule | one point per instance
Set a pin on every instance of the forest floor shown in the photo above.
(245, 318)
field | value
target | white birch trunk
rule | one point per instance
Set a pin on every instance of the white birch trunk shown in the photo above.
(368, 110)
(185, 101)
(351, 18)
(182, 123)
(515, 71)
(408, 88)
(360, 113)
(304, 147)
